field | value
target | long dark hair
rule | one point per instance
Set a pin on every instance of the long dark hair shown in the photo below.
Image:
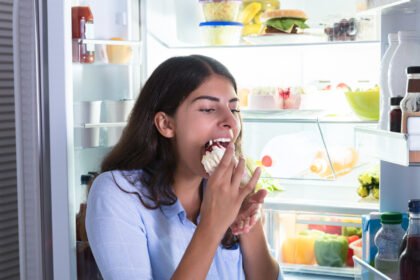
(141, 146)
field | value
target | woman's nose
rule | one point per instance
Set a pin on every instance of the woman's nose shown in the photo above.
(230, 120)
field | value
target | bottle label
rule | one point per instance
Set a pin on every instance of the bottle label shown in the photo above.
(89, 34)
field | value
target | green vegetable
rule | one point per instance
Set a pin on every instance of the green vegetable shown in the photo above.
(265, 181)
(331, 250)
(349, 231)
(285, 24)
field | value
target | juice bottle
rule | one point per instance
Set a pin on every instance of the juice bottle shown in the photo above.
(410, 257)
(82, 28)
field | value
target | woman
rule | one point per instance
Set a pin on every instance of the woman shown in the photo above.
(154, 212)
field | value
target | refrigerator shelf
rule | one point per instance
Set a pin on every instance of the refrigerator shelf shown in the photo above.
(108, 42)
(319, 197)
(109, 124)
(383, 4)
(385, 145)
(346, 272)
(299, 116)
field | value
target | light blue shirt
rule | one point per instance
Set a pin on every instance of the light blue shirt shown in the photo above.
(130, 241)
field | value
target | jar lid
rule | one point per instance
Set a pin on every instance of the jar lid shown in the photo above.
(414, 205)
(221, 23)
(396, 100)
(391, 218)
(413, 70)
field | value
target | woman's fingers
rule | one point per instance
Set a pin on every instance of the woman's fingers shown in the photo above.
(248, 188)
(239, 171)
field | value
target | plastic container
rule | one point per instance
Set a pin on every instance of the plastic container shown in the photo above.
(385, 92)
(357, 247)
(388, 241)
(221, 32)
(406, 54)
(371, 224)
(221, 10)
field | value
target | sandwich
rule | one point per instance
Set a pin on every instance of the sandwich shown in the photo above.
(285, 21)
(215, 149)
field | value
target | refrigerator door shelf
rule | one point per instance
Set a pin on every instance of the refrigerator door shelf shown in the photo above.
(387, 146)
(363, 270)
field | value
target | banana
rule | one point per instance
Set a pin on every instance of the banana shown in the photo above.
(249, 12)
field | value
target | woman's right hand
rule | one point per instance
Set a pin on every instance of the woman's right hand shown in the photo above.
(223, 195)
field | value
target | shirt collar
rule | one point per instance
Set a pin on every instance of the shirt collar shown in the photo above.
(171, 210)
(176, 209)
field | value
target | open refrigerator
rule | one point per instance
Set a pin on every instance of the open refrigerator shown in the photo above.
(72, 105)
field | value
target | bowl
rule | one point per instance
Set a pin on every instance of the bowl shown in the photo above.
(221, 10)
(364, 103)
(221, 32)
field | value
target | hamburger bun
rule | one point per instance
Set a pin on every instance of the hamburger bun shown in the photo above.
(284, 14)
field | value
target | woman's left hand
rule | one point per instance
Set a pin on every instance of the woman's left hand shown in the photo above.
(249, 213)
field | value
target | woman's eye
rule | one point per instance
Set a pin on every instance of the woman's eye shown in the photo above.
(235, 111)
(207, 110)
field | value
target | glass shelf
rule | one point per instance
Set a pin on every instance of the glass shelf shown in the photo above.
(108, 42)
(262, 41)
(381, 4)
(363, 270)
(384, 145)
(110, 124)
(331, 197)
(299, 116)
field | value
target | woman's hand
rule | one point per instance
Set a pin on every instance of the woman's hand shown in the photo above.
(249, 213)
(223, 195)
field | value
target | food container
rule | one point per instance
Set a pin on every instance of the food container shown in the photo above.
(221, 32)
(221, 10)
(118, 54)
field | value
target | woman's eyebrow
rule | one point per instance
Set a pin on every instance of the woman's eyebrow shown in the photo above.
(215, 99)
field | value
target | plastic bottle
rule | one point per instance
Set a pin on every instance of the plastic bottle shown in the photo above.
(343, 159)
(82, 28)
(406, 54)
(410, 257)
(385, 92)
(388, 240)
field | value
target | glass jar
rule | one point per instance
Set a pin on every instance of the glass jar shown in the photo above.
(395, 114)
(82, 28)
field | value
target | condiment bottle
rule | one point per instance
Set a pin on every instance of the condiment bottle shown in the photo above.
(385, 91)
(406, 54)
(412, 97)
(388, 240)
(395, 114)
(410, 257)
(82, 28)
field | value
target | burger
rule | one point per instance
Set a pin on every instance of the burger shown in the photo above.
(285, 21)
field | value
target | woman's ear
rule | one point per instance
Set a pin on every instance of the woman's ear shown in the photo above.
(164, 125)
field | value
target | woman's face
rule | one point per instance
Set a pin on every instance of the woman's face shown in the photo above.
(210, 112)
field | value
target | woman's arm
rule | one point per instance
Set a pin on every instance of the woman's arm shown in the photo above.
(257, 261)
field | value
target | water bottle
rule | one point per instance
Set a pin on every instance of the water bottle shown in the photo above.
(388, 240)
(385, 94)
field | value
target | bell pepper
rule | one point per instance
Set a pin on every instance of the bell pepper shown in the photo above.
(331, 250)
(299, 249)
(350, 253)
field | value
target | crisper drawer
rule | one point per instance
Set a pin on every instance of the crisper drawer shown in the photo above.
(315, 243)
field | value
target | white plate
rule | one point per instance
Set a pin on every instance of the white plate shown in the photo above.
(283, 38)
